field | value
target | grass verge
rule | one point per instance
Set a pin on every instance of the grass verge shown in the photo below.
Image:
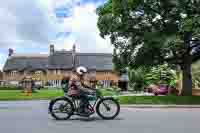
(11, 95)
(40, 95)
(166, 100)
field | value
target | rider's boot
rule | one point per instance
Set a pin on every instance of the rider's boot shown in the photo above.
(84, 111)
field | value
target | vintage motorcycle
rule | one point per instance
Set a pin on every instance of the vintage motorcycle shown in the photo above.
(62, 108)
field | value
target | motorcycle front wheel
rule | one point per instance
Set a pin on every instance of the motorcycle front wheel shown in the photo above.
(108, 108)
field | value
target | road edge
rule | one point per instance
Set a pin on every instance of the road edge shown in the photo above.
(160, 106)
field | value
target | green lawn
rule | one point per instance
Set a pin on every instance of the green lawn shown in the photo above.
(50, 94)
(41, 94)
(179, 100)
(109, 93)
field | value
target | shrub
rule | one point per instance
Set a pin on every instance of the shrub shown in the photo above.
(196, 74)
(10, 88)
(118, 89)
(109, 89)
(161, 74)
(142, 77)
(137, 79)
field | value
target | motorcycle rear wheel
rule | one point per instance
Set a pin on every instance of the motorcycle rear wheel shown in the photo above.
(66, 108)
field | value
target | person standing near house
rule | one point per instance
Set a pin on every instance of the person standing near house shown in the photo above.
(65, 84)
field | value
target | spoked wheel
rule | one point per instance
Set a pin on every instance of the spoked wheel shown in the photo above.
(108, 108)
(61, 108)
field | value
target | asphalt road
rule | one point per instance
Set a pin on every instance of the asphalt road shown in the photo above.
(33, 117)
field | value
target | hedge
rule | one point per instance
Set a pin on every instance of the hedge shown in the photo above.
(10, 88)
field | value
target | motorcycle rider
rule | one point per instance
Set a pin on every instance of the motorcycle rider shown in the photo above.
(80, 89)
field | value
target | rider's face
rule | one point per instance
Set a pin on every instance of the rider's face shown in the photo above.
(74, 77)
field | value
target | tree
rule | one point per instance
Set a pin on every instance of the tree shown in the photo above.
(137, 79)
(152, 32)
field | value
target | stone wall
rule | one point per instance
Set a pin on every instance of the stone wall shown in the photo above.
(1, 75)
(8, 77)
(196, 92)
(55, 76)
(107, 76)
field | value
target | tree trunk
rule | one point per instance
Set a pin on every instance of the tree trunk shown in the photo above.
(187, 77)
(186, 67)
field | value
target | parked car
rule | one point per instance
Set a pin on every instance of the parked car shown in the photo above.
(158, 89)
(161, 90)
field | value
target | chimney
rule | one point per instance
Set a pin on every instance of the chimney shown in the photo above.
(51, 49)
(10, 51)
(74, 48)
(74, 56)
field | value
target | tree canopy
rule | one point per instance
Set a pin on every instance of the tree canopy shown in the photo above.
(151, 32)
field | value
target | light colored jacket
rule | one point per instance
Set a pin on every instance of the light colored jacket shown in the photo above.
(81, 87)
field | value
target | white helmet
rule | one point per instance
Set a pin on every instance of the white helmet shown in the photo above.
(81, 70)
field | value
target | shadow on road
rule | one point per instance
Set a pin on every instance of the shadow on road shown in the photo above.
(86, 119)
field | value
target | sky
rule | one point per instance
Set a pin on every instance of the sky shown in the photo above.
(30, 26)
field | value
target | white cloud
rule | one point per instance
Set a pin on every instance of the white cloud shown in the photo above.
(23, 27)
(2, 60)
(24, 22)
(85, 33)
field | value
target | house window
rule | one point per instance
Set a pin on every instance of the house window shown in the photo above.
(58, 72)
(14, 82)
(8, 74)
(27, 73)
(13, 73)
(54, 83)
(106, 73)
(38, 72)
(106, 83)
